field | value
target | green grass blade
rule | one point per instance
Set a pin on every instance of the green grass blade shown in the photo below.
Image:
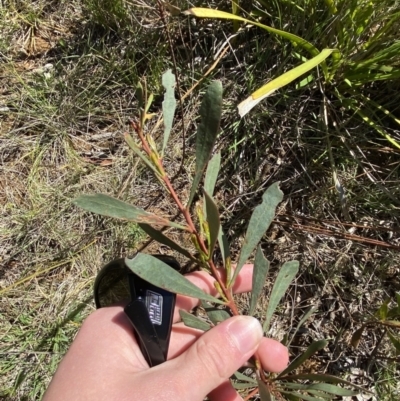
(261, 267)
(310, 351)
(193, 321)
(212, 173)
(111, 207)
(210, 114)
(168, 105)
(212, 220)
(259, 223)
(163, 239)
(285, 276)
(216, 14)
(283, 80)
(164, 276)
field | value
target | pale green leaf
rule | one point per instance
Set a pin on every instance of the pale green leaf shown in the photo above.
(111, 207)
(332, 389)
(244, 378)
(283, 80)
(129, 140)
(264, 393)
(163, 239)
(261, 267)
(213, 221)
(310, 351)
(212, 173)
(243, 386)
(161, 275)
(301, 396)
(259, 223)
(214, 314)
(193, 321)
(140, 95)
(320, 377)
(285, 276)
(223, 246)
(207, 131)
(168, 105)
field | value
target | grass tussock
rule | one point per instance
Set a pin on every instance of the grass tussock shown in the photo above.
(67, 74)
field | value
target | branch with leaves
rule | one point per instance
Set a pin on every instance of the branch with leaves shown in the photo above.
(203, 224)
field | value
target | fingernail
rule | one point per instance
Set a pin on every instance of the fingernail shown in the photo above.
(246, 332)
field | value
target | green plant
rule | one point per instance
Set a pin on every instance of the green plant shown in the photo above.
(202, 223)
(360, 36)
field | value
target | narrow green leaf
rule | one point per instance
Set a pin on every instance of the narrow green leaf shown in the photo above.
(320, 394)
(259, 223)
(243, 386)
(285, 277)
(283, 80)
(163, 239)
(264, 393)
(244, 378)
(168, 105)
(223, 246)
(139, 95)
(332, 389)
(193, 321)
(321, 377)
(149, 102)
(215, 315)
(160, 274)
(213, 221)
(305, 387)
(300, 396)
(111, 207)
(308, 313)
(129, 140)
(207, 131)
(212, 173)
(261, 267)
(310, 351)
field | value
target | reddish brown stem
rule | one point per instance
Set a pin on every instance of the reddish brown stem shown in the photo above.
(251, 394)
(227, 292)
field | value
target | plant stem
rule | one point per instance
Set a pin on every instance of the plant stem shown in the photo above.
(227, 292)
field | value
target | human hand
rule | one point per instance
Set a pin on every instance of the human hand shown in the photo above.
(105, 362)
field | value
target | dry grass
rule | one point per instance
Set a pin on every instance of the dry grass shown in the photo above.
(65, 97)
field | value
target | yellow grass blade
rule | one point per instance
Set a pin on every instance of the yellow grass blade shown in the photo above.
(216, 14)
(283, 80)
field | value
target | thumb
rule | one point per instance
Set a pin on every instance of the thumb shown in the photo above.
(216, 355)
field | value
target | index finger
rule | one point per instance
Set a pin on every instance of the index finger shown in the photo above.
(205, 282)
